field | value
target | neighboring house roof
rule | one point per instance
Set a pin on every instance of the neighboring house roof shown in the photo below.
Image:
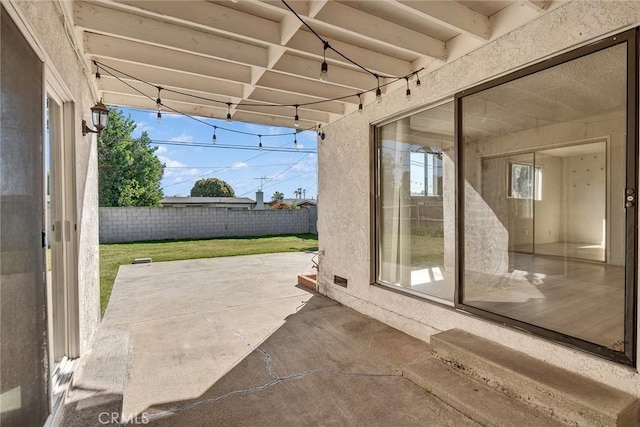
(206, 201)
(299, 202)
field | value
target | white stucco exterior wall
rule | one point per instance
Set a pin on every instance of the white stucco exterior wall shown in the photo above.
(44, 21)
(345, 156)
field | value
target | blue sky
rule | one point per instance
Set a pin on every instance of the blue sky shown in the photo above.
(241, 168)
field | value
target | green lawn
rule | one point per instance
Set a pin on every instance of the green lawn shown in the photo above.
(427, 251)
(114, 255)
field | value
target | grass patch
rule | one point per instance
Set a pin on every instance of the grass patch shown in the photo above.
(427, 251)
(113, 256)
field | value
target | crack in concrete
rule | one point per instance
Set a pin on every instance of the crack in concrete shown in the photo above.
(266, 386)
(263, 354)
(266, 357)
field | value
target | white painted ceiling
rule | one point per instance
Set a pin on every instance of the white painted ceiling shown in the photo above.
(257, 52)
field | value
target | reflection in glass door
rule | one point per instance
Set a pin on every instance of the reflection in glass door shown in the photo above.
(571, 217)
(548, 242)
(554, 200)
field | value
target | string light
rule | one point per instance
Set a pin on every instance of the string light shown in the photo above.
(408, 92)
(359, 102)
(110, 70)
(260, 143)
(107, 68)
(324, 68)
(296, 120)
(295, 142)
(323, 76)
(159, 106)
(378, 93)
(214, 139)
(97, 70)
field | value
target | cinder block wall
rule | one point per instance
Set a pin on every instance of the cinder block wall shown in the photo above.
(135, 224)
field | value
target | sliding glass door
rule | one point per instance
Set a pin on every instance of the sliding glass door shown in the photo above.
(547, 160)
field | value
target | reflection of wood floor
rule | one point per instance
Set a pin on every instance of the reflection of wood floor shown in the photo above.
(581, 299)
(586, 251)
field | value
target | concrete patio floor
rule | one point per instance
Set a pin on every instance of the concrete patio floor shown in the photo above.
(233, 341)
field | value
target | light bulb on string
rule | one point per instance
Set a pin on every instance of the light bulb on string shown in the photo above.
(360, 103)
(214, 139)
(296, 120)
(324, 68)
(295, 142)
(378, 92)
(408, 92)
(418, 82)
(97, 71)
(159, 106)
(228, 113)
(260, 143)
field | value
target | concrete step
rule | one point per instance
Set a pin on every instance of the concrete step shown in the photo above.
(566, 396)
(309, 281)
(484, 404)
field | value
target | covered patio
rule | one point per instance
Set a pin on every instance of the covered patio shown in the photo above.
(478, 98)
(233, 341)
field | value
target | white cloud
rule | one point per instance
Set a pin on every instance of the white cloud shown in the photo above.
(240, 184)
(170, 162)
(309, 164)
(143, 127)
(266, 130)
(239, 165)
(161, 150)
(183, 137)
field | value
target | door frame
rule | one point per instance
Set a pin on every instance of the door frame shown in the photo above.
(62, 169)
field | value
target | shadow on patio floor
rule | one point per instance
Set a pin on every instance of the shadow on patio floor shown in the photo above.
(232, 342)
(326, 365)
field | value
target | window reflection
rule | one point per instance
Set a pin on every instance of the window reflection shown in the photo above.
(544, 236)
(416, 178)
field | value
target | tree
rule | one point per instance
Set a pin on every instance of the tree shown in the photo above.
(298, 192)
(280, 205)
(277, 196)
(212, 187)
(129, 172)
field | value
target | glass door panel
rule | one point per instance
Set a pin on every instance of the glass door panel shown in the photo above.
(546, 235)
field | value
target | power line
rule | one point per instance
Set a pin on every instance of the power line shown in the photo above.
(235, 147)
(272, 178)
(224, 169)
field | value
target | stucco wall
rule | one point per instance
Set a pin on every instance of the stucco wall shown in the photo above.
(44, 20)
(136, 224)
(344, 222)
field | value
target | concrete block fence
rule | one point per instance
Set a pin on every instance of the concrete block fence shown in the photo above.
(134, 224)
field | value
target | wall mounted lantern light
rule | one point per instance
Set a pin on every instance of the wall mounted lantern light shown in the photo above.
(99, 116)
